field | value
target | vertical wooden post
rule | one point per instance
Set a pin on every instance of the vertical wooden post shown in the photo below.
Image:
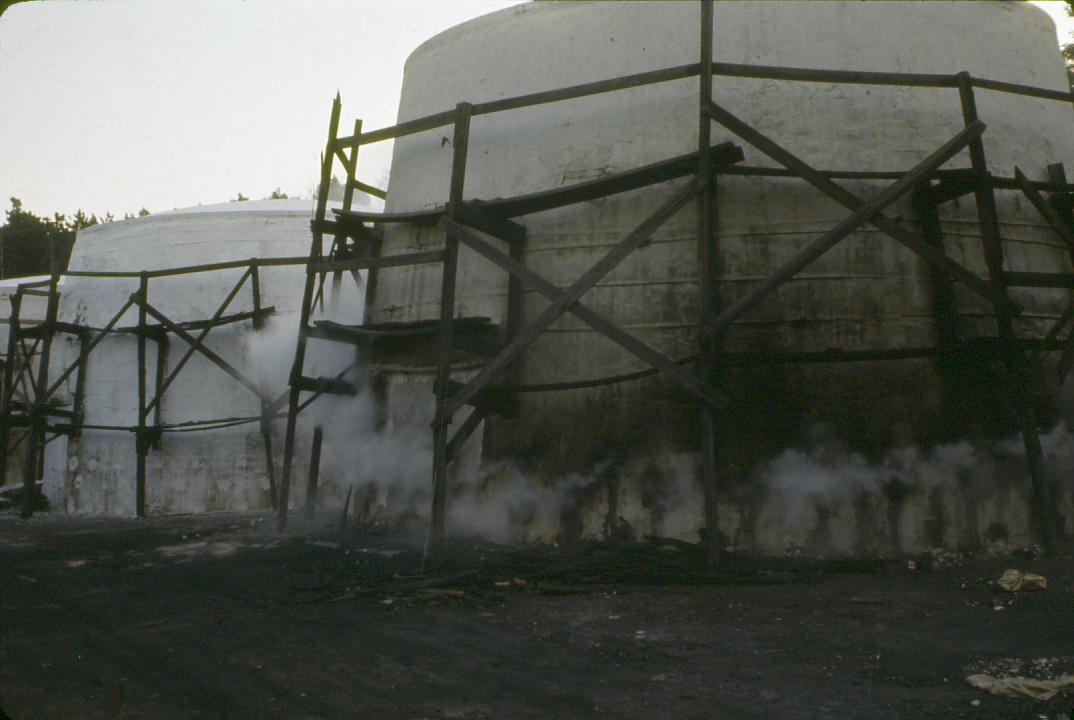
(80, 385)
(1065, 209)
(158, 384)
(1017, 366)
(141, 436)
(315, 471)
(435, 539)
(945, 317)
(266, 412)
(34, 467)
(9, 383)
(270, 463)
(316, 252)
(1057, 174)
(707, 270)
(255, 292)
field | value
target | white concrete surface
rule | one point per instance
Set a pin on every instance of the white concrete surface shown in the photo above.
(196, 471)
(866, 293)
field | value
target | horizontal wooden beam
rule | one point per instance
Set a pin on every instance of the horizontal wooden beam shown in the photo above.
(842, 77)
(479, 217)
(719, 69)
(1016, 89)
(1039, 279)
(330, 330)
(418, 258)
(324, 385)
(721, 155)
(951, 188)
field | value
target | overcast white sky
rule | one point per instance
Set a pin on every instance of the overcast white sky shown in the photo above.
(112, 106)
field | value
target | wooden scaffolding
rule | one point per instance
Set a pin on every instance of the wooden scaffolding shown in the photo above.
(356, 244)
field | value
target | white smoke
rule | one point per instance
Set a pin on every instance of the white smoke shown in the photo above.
(814, 498)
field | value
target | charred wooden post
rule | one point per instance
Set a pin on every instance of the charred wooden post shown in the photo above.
(9, 384)
(267, 413)
(255, 292)
(141, 435)
(316, 253)
(163, 345)
(708, 273)
(944, 311)
(80, 386)
(315, 471)
(1062, 202)
(38, 415)
(442, 415)
(1016, 363)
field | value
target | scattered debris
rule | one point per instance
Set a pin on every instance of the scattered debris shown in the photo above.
(324, 543)
(1017, 581)
(1022, 687)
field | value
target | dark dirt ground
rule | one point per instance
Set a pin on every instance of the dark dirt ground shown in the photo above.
(222, 617)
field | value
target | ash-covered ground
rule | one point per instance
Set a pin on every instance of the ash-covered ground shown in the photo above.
(223, 617)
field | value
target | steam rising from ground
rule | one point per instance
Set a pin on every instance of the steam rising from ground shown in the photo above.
(822, 499)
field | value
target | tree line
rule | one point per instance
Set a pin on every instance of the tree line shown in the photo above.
(39, 245)
(36, 245)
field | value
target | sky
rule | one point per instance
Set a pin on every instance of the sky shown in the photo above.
(117, 105)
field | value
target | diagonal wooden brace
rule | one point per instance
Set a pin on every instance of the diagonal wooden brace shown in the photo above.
(849, 225)
(166, 383)
(851, 201)
(583, 312)
(82, 356)
(1065, 359)
(1046, 210)
(191, 340)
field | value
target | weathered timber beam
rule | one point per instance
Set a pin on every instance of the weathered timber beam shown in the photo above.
(489, 222)
(565, 299)
(1045, 209)
(951, 188)
(190, 339)
(844, 77)
(1039, 279)
(851, 201)
(167, 382)
(441, 119)
(760, 72)
(323, 385)
(369, 189)
(88, 349)
(598, 322)
(723, 154)
(849, 225)
(418, 258)
(1016, 89)
(492, 398)
(465, 430)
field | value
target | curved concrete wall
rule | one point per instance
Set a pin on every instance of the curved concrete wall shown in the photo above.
(221, 469)
(866, 293)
